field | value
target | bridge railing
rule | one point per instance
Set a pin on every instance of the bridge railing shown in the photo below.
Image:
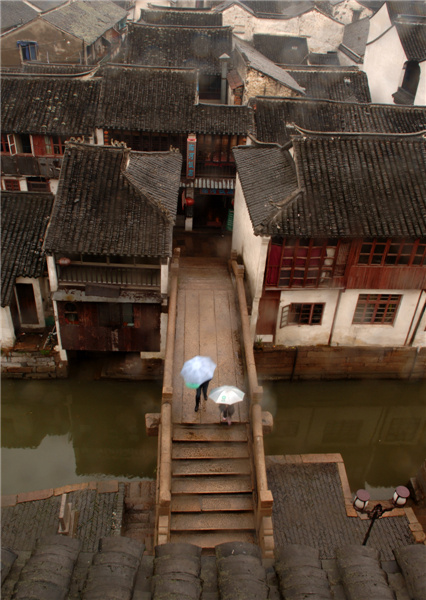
(165, 430)
(264, 499)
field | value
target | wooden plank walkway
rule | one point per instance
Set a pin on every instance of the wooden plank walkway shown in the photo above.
(212, 478)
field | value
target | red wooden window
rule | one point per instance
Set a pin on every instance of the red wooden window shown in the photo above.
(301, 263)
(12, 185)
(392, 253)
(48, 145)
(376, 309)
(302, 314)
(71, 313)
(5, 143)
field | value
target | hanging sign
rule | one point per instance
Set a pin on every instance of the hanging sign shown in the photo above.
(191, 147)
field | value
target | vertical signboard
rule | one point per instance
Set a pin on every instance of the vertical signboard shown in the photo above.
(191, 147)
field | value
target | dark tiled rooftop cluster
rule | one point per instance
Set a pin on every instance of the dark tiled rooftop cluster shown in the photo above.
(413, 39)
(332, 83)
(120, 569)
(48, 69)
(53, 105)
(352, 186)
(147, 99)
(279, 8)
(406, 7)
(16, 12)
(24, 218)
(220, 119)
(276, 117)
(284, 49)
(113, 201)
(180, 17)
(193, 47)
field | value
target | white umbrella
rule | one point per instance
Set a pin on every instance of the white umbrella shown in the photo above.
(197, 370)
(226, 394)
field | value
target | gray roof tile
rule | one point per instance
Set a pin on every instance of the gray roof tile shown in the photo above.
(167, 46)
(351, 186)
(24, 218)
(87, 20)
(276, 118)
(332, 83)
(15, 13)
(181, 17)
(114, 201)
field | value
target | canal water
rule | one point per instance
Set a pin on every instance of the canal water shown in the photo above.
(61, 432)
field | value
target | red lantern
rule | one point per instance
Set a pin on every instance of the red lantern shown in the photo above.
(64, 261)
(190, 201)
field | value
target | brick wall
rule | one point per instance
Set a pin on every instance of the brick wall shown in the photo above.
(32, 365)
(325, 362)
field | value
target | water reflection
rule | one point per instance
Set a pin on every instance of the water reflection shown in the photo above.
(379, 427)
(61, 432)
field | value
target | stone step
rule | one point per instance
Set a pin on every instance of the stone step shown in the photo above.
(214, 521)
(211, 485)
(211, 502)
(211, 466)
(209, 540)
(190, 450)
(207, 433)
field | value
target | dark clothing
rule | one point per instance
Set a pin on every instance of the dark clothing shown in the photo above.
(202, 387)
(226, 410)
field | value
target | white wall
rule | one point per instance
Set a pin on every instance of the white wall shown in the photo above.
(324, 33)
(383, 62)
(343, 11)
(307, 335)
(417, 335)
(420, 98)
(7, 330)
(38, 301)
(346, 334)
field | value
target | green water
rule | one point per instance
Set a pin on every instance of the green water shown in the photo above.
(61, 432)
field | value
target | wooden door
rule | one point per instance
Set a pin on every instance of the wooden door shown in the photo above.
(26, 302)
(268, 313)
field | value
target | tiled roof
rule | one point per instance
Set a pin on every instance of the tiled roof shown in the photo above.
(120, 568)
(147, 99)
(223, 119)
(24, 218)
(279, 8)
(338, 83)
(284, 49)
(352, 186)
(15, 13)
(324, 58)
(355, 36)
(45, 5)
(87, 20)
(50, 105)
(182, 17)
(194, 47)
(406, 7)
(413, 39)
(275, 117)
(48, 69)
(260, 63)
(106, 206)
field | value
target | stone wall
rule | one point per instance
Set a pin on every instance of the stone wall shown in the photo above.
(325, 362)
(18, 364)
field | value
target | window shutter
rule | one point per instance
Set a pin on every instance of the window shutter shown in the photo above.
(11, 142)
(284, 316)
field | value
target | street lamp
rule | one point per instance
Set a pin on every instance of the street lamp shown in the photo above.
(362, 497)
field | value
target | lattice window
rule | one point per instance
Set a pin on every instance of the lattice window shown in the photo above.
(376, 309)
(392, 253)
(302, 314)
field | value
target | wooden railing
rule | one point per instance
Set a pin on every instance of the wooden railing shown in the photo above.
(165, 431)
(264, 499)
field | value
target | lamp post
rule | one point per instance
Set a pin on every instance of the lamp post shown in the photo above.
(362, 497)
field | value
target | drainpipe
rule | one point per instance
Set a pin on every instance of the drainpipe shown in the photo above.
(224, 62)
(334, 318)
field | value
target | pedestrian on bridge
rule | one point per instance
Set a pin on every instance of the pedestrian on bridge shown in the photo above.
(203, 387)
(226, 412)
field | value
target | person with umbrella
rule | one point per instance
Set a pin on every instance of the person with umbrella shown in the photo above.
(197, 373)
(226, 396)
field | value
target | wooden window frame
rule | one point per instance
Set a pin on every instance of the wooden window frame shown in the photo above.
(296, 313)
(376, 309)
(12, 185)
(372, 258)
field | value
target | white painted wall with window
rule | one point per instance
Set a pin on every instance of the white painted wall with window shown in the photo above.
(376, 332)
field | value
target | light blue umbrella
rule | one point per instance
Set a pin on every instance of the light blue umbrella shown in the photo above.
(197, 370)
(226, 394)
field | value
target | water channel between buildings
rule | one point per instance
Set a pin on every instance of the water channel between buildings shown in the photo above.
(80, 429)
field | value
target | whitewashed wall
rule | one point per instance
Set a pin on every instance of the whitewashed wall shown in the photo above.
(344, 11)
(420, 99)
(324, 33)
(417, 335)
(307, 335)
(383, 62)
(7, 330)
(346, 334)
